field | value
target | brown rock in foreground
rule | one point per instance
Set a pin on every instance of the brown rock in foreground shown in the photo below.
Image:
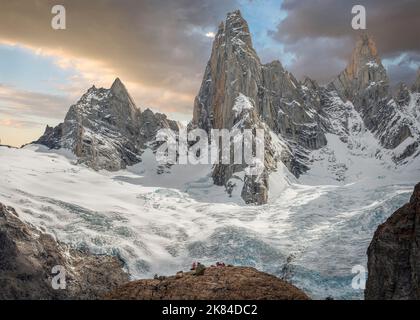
(27, 257)
(394, 255)
(217, 283)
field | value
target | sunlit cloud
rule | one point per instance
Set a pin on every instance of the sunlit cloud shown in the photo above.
(90, 72)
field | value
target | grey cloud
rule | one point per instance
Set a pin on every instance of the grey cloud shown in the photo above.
(30, 105)
(320, 58)
(393, 24)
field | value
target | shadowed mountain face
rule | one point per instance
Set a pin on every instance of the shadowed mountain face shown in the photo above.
(394, 255)
(105, 129)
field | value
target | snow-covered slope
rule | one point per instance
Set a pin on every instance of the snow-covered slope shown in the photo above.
(353, 152)
(159, 223)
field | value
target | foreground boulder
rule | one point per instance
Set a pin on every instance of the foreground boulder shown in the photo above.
(215, 283)
(394, 255)
(27, 257)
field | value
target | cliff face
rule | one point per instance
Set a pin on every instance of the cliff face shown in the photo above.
(394, 255)
(216, 283)
(233, 68)
(27, 257)
(277, 104)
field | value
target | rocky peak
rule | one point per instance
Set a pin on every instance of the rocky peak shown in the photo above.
(366, 85)
(310, 83)
(119, 90)
(364, 71)
(364, 53)
(105, 129)
(237, 29)
(402, 96)
(416, 85)
(415, 198)
(118, 87)
(233, 68)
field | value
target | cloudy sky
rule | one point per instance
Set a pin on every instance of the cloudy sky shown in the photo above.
(159, 49)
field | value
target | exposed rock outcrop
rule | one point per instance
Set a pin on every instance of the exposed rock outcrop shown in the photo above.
(106, 130)
(416, 84)
(216, 283)
(403, 95)
(27, 257)
(394, 255)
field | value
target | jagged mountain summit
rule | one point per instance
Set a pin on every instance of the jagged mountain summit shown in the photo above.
(366, 84)
(106, 130)
(297, 116)
(365, 69)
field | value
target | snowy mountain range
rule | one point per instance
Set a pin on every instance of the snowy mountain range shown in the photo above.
(339, 159)
(301, 114)
(106, 130)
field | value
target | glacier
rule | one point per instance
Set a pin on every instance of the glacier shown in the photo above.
(312, 232)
